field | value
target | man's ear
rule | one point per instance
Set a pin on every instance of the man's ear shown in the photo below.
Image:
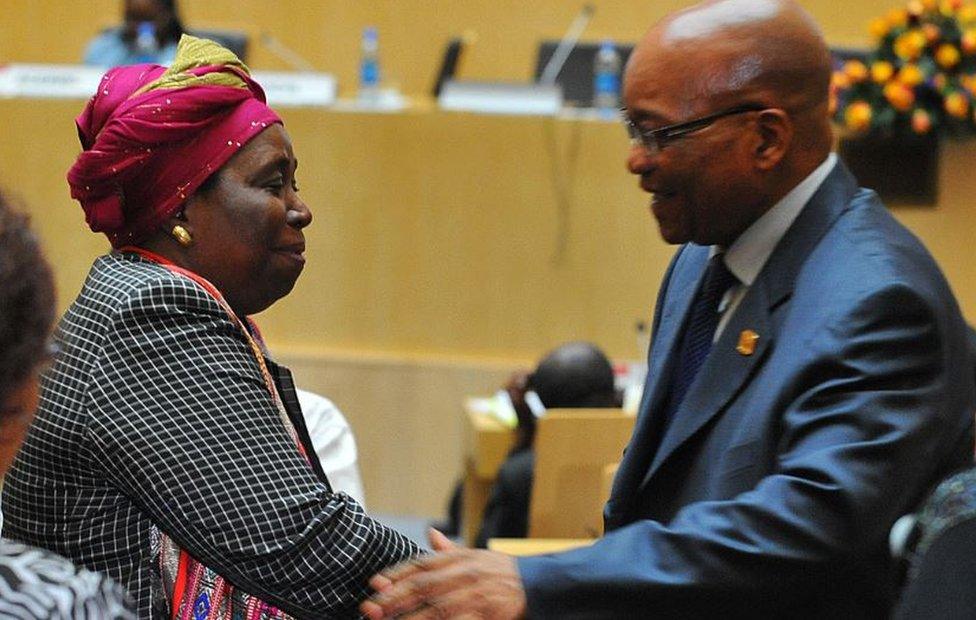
(775, 137)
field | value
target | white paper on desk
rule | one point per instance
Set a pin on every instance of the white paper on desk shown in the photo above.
(499, 406)
(502, 98)
(49, 81)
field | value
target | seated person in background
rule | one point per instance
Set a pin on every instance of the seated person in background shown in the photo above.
(575, 375)
(334, 444)
(149, 33)
(35, 583)
(170, 451)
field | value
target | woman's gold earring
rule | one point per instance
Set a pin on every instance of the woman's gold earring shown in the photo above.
(182, 236)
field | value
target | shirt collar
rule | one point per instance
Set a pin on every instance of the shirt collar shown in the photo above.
(746, 256)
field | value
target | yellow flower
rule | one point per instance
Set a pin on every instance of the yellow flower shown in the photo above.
(881, 71)
(899, 96)
(910, 75)
(921, 122)
(855, 71)
(899, 17)
(879, 28)
(968, 41)
(947, 56)
(909, 45)
(857, 116)
(967, 14)
(915, 8)
(930, 5)
(957, 104)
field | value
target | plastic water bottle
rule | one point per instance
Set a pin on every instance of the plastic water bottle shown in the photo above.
(146, 44)
(606, 79)
(369, 66)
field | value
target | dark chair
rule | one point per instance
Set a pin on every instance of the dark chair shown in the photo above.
(942, 567)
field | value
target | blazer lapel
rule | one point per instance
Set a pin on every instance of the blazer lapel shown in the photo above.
(660, 360)
(722, 375)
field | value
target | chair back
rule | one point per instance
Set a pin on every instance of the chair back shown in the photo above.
(572, 449)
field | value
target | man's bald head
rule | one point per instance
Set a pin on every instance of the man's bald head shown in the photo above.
(576, 374)
(726, 52)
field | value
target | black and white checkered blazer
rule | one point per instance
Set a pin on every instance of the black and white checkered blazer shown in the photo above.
(156, 413)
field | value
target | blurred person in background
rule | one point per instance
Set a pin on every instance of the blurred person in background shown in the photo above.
(35, 583)
(149, 32)
(334, 444)
(574, 375)
(171, 452)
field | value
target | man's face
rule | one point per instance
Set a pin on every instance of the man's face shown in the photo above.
(701, 181)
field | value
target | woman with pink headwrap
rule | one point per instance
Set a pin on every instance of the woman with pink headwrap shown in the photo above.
(169, 450)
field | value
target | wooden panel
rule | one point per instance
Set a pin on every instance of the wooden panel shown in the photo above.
(572, 449)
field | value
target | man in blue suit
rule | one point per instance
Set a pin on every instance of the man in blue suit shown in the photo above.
(809, 375)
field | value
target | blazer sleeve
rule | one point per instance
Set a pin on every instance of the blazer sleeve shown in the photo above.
(185, 426)
(874, 398)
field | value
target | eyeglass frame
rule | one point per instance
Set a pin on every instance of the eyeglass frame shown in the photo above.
(654, 140)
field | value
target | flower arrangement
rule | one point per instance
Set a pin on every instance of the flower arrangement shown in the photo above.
(921, 78)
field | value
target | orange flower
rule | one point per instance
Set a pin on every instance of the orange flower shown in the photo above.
(855, 71)
(949, 7)
(899, 96)
(910, 75)
(921, 122)
(857, 116)
(957, 104)
(909, 45)
(879, 28)
(930, 5)
(968, 41)
(881, 71)
(840, 80)
(939, 81)
(967, 14)
(932, 33)
(947, 56)
(915, 8)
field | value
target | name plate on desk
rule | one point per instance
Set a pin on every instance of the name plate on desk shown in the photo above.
(297, 89)
(53, 81)
(502, 98)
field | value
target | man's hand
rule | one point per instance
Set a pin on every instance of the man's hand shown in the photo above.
(455, 582)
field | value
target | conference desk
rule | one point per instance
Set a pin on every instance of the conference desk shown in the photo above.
(447, 249)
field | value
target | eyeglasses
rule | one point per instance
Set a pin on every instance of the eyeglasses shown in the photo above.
(653, 140)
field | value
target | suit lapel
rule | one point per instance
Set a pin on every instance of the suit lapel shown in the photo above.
(686, 278)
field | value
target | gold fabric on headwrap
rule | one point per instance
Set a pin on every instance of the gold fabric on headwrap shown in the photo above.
(193, 53)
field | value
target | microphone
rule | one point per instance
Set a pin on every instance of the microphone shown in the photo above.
(284, 53)
(566, 45)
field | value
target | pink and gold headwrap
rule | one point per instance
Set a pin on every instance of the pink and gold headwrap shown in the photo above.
(152, 136)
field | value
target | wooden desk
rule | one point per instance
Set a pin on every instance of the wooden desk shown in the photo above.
(487, 442)
(537, 546)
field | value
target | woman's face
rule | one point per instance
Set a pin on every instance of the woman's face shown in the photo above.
(247, 227)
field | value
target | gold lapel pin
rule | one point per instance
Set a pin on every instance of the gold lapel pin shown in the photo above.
(747, 342)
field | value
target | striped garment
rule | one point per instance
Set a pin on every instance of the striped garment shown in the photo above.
(156, 415)
(37, 584)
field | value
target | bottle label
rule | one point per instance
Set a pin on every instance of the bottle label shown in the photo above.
(369, 73)
(607, 84)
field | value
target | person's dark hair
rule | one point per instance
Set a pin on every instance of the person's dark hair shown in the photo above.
(572, 376)
(26, 300)
(170, 32)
